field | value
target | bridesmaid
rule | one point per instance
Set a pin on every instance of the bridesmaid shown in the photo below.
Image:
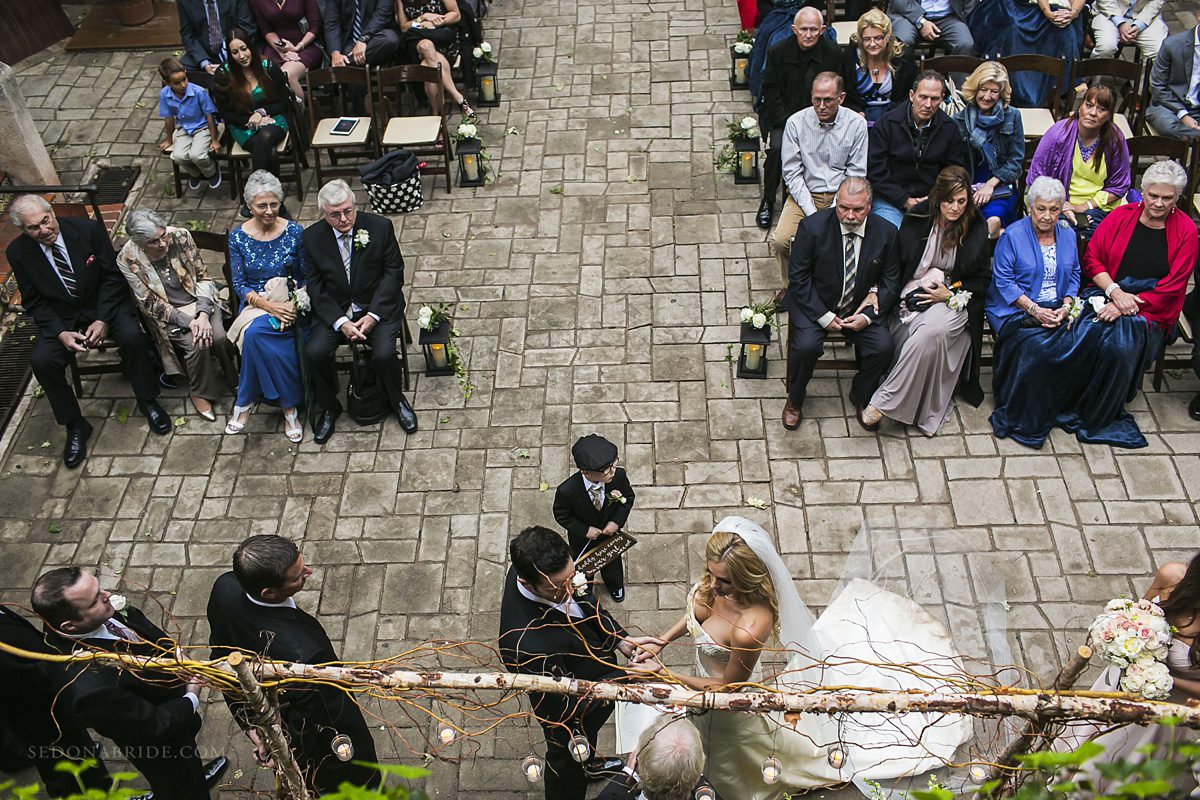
(292, 48)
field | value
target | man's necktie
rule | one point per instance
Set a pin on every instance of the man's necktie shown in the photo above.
(216, 42)
(344, 246)
(595, 493)
(119, 632)
(63, 266)
(851, 269)
(356, 30)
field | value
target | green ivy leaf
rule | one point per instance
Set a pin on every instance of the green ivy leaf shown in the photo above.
(122, 415)
(511, 130)
(555, 190)
(522, 454)
(558, 87)
(543, 486)
(180, 422)
(54, 527)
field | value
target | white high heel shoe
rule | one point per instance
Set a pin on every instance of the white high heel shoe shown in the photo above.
(233, 426)
(294, 430)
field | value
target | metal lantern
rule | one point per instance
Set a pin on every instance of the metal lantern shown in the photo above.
(487, 88)
(746, 169)
(435, 344)
(739, 65)
(471, 171)
(752, 363)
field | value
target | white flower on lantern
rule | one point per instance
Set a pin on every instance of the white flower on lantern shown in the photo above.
(485, 47)
(425, 318)
(759, 320)
(477, 52)
(742, 48)
(747, 314)
(119, 602)
(468, 131)
(749, 123)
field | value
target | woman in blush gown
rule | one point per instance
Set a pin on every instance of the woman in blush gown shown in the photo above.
(746, 599)
(1176, 590)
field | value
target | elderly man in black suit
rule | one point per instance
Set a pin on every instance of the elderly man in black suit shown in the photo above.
(355, 281)
(668, 764)
(547, 627)
(594, 503)
(35, 714)
(843, 276)
(204, 27)
(152, 717)
(360, 32)
(67, 273)
(253, 609)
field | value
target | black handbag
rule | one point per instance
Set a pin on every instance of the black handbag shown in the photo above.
(441, 37)
(366, 401)
(393, 182)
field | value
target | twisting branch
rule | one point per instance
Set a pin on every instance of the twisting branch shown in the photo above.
(269, 726)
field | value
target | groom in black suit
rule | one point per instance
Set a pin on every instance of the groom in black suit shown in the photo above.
(253, 609)
(843, 276)
(152, 717)
(548, 629)
(355, 282)
(67, 273)
(594, 503)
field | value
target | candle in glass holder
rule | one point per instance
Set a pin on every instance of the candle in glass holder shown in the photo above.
(706, 793)
(438, 351)
(487, 88)
(579, 748)
(342, 747)
(754, 354)
(740, 65)
(532, 768)
(470, 164)
(446, 734)
(746, 163)
(771, 770)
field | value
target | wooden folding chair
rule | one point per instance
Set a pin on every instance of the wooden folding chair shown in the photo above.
(426, 135)
(1037, 120)
(204, 80)
(1127, 76)
(353, 83)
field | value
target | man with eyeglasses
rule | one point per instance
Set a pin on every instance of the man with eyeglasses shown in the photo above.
(792, 66)
(355, 283)
(594, 503)
(822, 146)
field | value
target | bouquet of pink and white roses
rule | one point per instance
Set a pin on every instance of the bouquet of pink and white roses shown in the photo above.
(1135, 636)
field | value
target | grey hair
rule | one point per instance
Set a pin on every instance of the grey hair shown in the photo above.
(854, 186)
(1045, 188)
(817, 11)
(18, 206)
(1165, 173)
(334, 193)
(670, 759)
(262, 182)
(142, 225)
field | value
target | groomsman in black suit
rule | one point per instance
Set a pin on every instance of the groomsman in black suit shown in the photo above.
(843, 276)
(36, 718)
(253, 609)
(595, 502)
(152, 717)
(67, 273)
(355, 282)
(546, 628)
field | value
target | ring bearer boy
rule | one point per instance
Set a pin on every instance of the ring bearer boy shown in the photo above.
(595, 502)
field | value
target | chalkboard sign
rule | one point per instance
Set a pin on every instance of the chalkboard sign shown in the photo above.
(604, 551)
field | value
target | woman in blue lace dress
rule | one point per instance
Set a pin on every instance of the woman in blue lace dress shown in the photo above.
(262, 248)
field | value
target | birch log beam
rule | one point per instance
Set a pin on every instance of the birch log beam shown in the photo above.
(271, 729)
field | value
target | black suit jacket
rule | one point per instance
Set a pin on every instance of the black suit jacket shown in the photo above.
(338, 19)
(193, 27)
(133, 710)
(536, 639)
(788, 77)
(312, 717)
(816, 271)
(376, 271)
(574, 511)
(103, 292)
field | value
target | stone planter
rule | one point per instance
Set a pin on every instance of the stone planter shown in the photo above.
(132, 12)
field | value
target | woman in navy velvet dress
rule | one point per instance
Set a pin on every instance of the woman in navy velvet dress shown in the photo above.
(264, 247)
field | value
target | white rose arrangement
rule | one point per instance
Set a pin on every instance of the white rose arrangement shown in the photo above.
(361, 239)
(428, 318)
(1135, 636)
(482, 52)
(749, 127)
(958, 300)
(466, 130)
(743, 48)
(299, 296)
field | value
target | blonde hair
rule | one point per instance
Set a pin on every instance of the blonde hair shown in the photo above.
(987, 72)
(877, 19)
(749, 576)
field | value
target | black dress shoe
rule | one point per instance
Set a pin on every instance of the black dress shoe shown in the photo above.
(323, 427)
(601, 768)
(1194, 408)
(75, 450)
(617, 595)
(160, 423)
(406, 415)
(214, 769)
(763, 218)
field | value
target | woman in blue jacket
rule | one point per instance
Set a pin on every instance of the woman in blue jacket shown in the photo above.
(992, 128)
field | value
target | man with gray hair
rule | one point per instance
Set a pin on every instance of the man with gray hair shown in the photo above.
(67, 273)
(355, 282)
(668, 764)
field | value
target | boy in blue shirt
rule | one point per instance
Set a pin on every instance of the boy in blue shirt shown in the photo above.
(189, 127)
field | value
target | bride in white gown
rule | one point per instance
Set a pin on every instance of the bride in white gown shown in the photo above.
(868, 637)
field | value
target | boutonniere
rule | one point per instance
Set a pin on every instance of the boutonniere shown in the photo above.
(579, 583)
(90, 260)
(120, 605)
(361, 239)
(616, 497)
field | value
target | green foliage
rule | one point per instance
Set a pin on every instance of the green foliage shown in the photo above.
(350, 792)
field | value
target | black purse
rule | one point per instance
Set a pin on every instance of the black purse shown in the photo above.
(366, 401)
(441, 37)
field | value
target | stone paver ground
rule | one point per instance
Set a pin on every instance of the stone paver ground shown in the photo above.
(598, 281)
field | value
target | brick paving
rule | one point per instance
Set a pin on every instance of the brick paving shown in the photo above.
(598, 282)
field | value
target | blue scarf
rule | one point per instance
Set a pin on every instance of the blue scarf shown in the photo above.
(981, 130)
